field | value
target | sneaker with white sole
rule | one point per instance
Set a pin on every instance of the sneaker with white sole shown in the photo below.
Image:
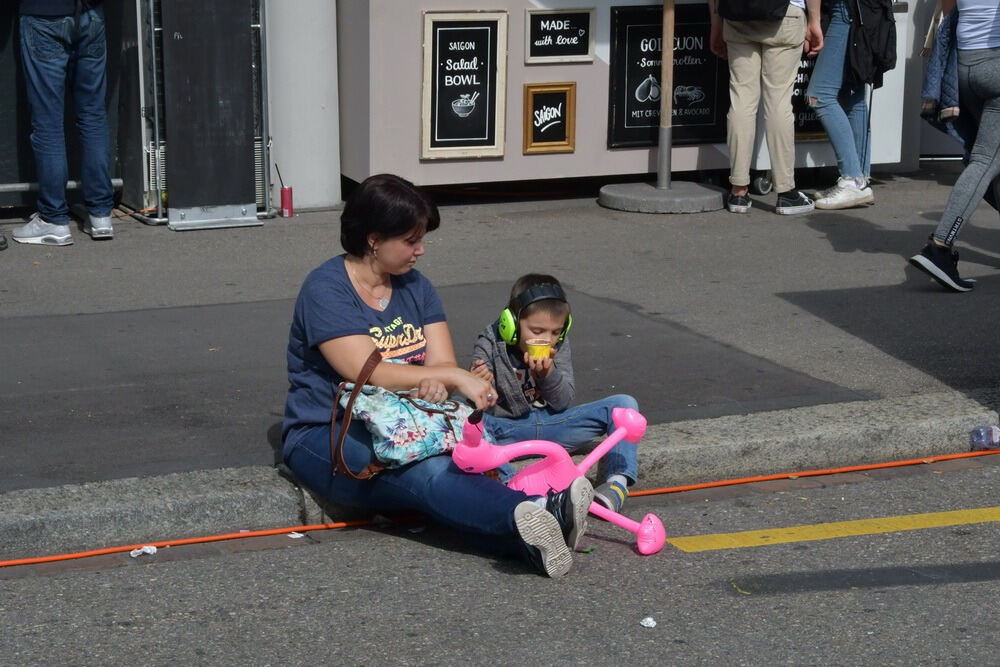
(570, 507)
(845, 194)
(738, 203)
(39, 232)
(941, 264)
(99, 227)
(543, 539)
(793, 202)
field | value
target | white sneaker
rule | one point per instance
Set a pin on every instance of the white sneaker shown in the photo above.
(845, 194)
(43, 233)
(99, 227)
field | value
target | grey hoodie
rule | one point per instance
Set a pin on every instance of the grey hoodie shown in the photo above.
(558, 388)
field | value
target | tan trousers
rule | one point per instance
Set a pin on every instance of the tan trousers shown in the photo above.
(763, 58)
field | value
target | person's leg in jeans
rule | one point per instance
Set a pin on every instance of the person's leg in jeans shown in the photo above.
(744, 98)
(779, 66)
(573, 428)
(45, 55)
(89, 94)
(480, 508)
(824, 94)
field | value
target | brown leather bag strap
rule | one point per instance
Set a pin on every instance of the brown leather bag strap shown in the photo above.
(337, 441)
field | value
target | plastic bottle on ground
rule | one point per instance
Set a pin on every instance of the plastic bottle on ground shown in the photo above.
(984, 437)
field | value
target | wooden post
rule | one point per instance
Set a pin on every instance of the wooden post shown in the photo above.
(666, 98)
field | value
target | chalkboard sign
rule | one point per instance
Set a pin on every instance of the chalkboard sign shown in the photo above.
(808, 126)
(701, 81)
(549, 118)
(559, 35)
(465, 56)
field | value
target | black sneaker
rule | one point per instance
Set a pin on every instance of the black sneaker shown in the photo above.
(792, 202)
(543, 539)
(941, 264)
(570, 507)
(738, 203)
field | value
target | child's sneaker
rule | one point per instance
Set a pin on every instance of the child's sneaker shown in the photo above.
(792, 202)
(543, 539)
(941, 264)
(612, 495)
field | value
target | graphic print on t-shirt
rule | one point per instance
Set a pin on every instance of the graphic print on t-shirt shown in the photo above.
(530, 389)
(401, 341)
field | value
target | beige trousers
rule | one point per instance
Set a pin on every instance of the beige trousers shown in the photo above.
(763, 58)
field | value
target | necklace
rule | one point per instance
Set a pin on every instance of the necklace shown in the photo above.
(383, 301)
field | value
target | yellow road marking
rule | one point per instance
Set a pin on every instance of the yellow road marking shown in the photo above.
(828, 531)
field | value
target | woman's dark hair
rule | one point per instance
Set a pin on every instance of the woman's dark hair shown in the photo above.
(386, 205)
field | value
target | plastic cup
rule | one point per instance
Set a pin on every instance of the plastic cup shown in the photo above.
(538, 349)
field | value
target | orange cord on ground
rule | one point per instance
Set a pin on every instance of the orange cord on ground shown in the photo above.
(350, 524)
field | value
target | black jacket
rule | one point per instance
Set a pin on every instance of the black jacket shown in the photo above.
(871, 47)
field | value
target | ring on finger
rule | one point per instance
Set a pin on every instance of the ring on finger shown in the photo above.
(489, 397)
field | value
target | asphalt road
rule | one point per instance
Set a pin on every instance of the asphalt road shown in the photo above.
(163, 352)
(403, 595)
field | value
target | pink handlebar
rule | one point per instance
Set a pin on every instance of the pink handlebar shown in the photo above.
(556, 470)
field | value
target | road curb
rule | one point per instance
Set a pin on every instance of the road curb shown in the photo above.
(37, 522)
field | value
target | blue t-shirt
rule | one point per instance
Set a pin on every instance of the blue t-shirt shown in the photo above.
(329, 307)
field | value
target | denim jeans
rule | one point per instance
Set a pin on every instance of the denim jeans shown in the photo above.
(979, 92)
(480, 508)
(841, 108)
(55, 54)
(572, 428)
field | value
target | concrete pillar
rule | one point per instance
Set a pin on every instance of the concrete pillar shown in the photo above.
(303, 100)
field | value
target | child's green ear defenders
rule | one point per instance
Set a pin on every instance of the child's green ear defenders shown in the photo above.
(508, 319)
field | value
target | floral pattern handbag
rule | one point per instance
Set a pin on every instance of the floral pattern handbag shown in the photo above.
(404, 429)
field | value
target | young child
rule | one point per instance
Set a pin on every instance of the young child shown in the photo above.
(526, 354)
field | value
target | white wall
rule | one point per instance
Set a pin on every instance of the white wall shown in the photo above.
(303, 100)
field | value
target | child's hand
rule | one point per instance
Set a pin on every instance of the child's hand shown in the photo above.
(540, 368)
(481, 369)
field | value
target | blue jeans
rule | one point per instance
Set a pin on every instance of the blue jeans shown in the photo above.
(480, 508)
(56, 55)
(573, 428)
(841, 108)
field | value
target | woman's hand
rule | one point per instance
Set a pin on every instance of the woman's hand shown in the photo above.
(431, 390)
(476, 389)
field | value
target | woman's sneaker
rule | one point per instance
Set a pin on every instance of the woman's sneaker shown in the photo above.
(543, 539)
(792, 202)
(570, 507)
(738, 203)
(845, 194)
(941, 264)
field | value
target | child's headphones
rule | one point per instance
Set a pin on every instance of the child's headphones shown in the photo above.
(508, 320)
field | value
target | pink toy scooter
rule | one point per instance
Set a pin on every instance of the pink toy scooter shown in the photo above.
(557, 471)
